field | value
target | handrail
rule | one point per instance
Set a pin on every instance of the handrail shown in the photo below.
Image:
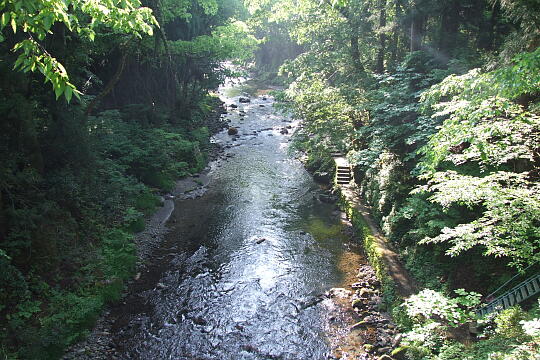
(517, 294)
(509, 281)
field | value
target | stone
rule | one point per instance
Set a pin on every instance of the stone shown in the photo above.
(397, 340)
(376, 300)
(233, 106)
(244, 100)
(339, 293)
(358, 304)
(284, 131)
(321, 177)
(359, 324)
(365, 292)
(399, 353)
(232, 131)
(368, 348)
(199, 321)
(329, 199)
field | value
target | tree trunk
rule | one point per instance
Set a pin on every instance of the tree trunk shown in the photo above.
(394, 43)
(488, 30)
(449, 27)
(415, 36)
(353, 38)
(415, 30)
(110, 85)
(355, 51)
(3, 229)
(382, 38)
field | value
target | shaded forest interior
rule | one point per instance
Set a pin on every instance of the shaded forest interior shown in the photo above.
(105, 104)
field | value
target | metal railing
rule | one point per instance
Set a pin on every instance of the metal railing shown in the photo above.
(517, 294)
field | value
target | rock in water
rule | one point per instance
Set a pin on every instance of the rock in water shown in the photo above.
(339, 293)
(232, 131)
(321, 177)
(244, 100)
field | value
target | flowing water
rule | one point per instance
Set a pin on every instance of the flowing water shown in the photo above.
(243, 271)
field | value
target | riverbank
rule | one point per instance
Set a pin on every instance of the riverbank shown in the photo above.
(253, 230)
(370, 294)
(99, 344)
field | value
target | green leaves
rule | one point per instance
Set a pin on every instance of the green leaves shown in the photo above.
(484, 157)
(508, 223)
(430, 305)
(327, 114)
(36, 19)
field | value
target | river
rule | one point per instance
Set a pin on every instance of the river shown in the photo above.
(244, 268)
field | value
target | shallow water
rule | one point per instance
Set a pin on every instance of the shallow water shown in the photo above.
(243, 271)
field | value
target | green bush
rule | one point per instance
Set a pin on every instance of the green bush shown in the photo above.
(147, 202)
(119, 254)
(508, 322)
(201, 136)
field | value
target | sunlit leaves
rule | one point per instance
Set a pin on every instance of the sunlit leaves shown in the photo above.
(522, 77)
(433, 314)
(509, 224)
(32, 58)
(326, 113)
(36, 18)
(228, 42)
(484, 157)
(491, 133)
(429, 305)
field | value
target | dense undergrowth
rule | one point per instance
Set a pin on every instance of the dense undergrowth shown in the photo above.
(69, 248)
(437, 106)
(81, 165)
(436, 103)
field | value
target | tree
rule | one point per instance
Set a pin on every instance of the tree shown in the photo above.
(27, 24)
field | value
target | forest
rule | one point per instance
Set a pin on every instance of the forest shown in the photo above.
(105, 104)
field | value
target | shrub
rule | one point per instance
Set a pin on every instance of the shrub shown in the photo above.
(509, 321)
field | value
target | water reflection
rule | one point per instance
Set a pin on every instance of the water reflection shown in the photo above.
(250, 259)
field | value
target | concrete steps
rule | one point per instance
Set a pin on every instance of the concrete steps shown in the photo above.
(344, 174)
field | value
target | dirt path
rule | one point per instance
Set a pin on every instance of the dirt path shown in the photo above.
(405, 284)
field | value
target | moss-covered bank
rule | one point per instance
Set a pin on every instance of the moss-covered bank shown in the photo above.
(395, 280)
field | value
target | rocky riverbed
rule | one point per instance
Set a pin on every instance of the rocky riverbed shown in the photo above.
(248, 260)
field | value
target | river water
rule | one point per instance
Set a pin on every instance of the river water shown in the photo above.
(243, 271)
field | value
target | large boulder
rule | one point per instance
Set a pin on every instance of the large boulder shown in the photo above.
(322, 177)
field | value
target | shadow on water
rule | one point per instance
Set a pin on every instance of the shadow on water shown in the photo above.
(243, 271)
